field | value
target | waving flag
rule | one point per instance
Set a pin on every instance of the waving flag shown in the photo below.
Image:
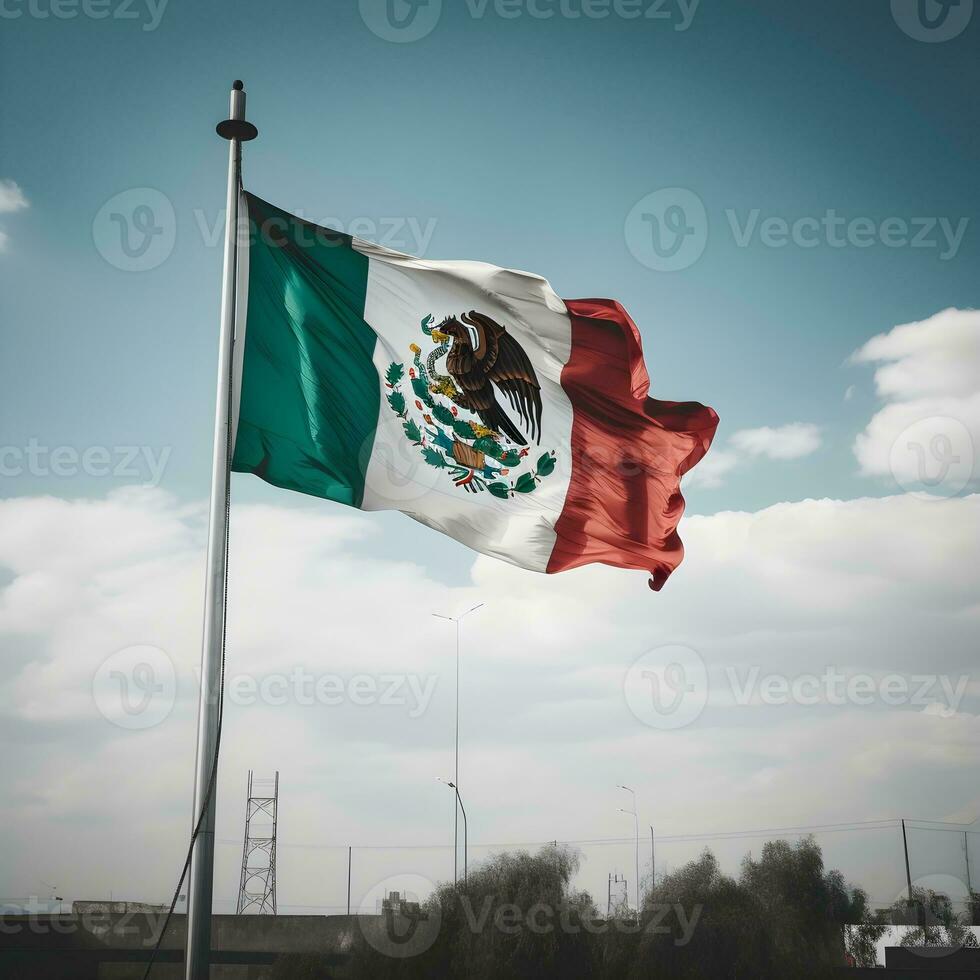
(469, 397)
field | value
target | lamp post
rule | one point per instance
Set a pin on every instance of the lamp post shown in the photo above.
(466, 835)
(457, 620)
(636, 841)
(653, 865)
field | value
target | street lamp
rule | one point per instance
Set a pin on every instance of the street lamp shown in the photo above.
(636, 842)
(653, 863)
(457, 620)
(466, 835)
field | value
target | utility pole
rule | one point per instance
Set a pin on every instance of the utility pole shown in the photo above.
(908, 879)
(908, 873)
(350, 850)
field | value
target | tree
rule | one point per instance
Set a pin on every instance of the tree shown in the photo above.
(934, 921)
(518, 918)
(727, 939)
(783, 917)
(863, 930)
(514, 919)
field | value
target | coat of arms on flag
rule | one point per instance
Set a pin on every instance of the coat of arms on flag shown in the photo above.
(458, 425)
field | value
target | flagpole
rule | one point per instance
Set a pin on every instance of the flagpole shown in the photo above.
(197, 956)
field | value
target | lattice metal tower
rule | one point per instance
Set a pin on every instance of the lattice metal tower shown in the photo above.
(617, 900)
(257, 890)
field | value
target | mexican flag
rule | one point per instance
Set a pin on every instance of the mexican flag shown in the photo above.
(469, 397)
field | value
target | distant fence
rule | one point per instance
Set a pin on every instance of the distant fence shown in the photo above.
(869, 854)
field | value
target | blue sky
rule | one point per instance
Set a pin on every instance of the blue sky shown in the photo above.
(557, 127)
(526, 141)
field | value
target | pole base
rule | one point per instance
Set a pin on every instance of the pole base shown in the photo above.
(236, 129)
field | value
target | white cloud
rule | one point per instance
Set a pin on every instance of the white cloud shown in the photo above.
(11, 196)
(928, 375)
(878, 585)
(793, 441)
(11, 199)
(712, 470)
(938, 356)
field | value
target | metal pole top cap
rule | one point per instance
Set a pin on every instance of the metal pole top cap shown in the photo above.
(236, 129)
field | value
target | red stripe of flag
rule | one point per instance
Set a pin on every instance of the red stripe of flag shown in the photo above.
(629, 451)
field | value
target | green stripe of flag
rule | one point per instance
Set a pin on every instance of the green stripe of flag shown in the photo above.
(310, 391)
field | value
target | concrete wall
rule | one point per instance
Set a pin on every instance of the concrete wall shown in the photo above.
(933, 958)
(69, 947)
